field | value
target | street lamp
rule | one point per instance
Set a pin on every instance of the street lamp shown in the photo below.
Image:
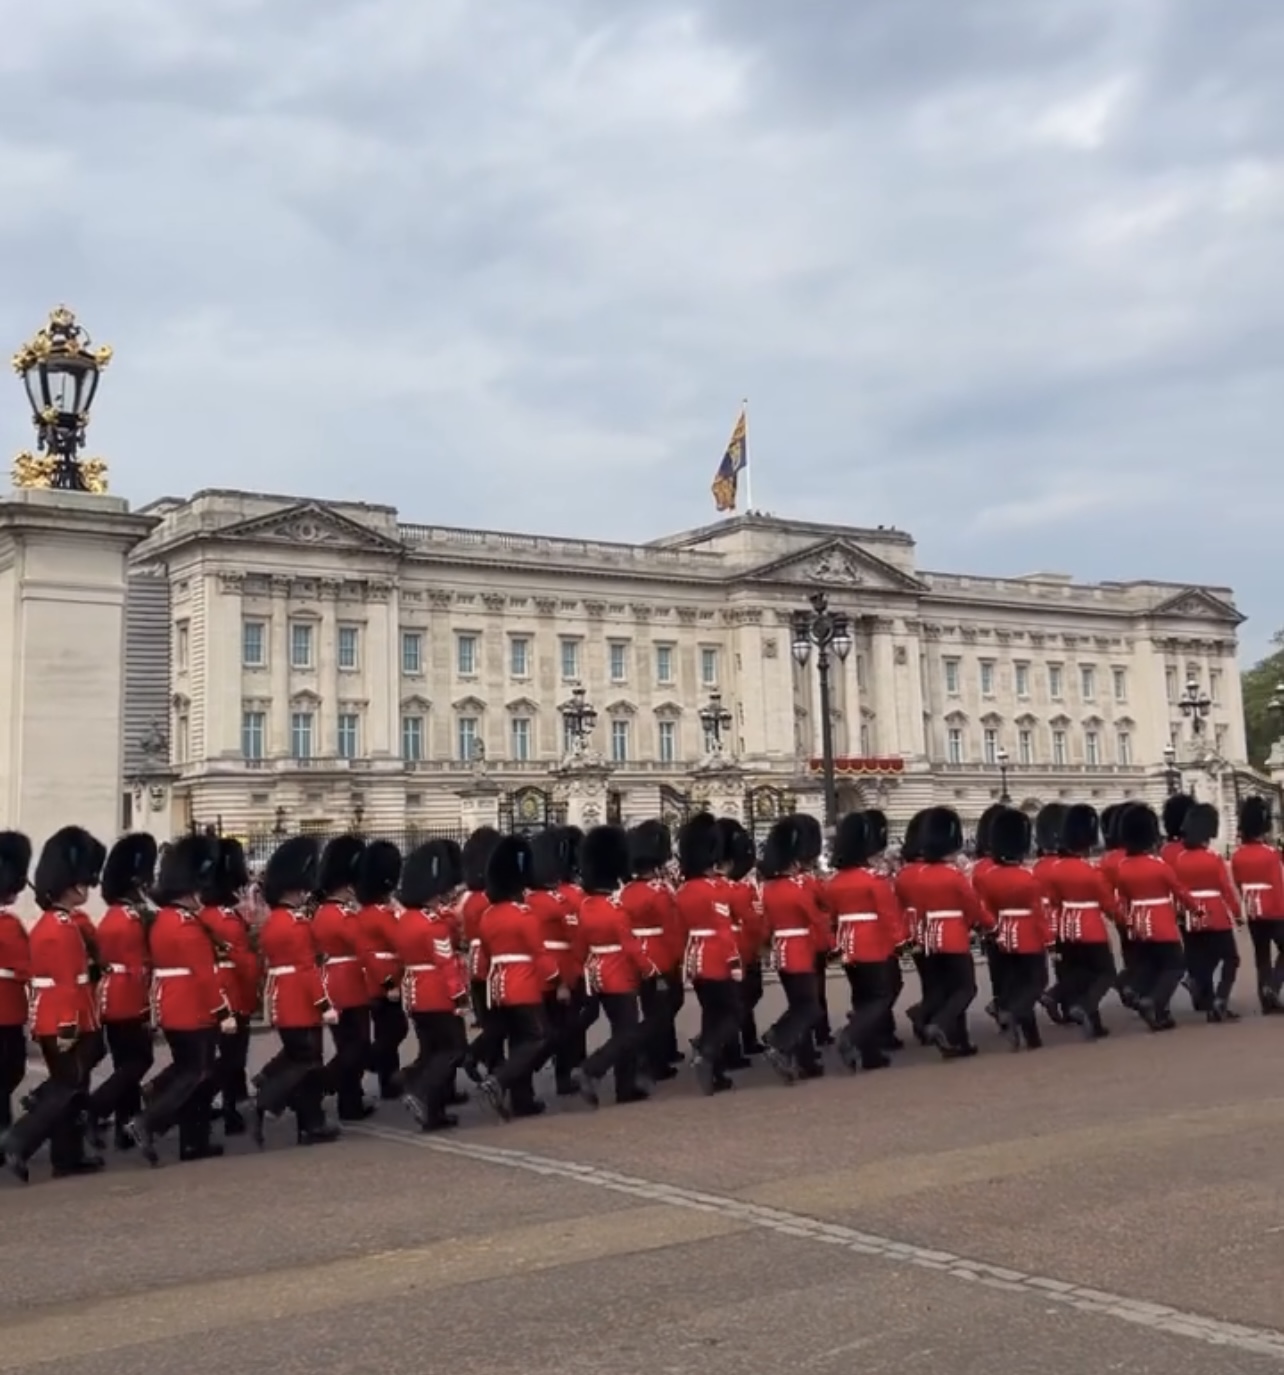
(1001, 759)
(60, 369)
(716, 720)
(1172, 774)
(830, 632)
(278, 828)
(1195, 706)
(578, 719)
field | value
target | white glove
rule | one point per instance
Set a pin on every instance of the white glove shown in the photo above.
(394, 995)
(228, 1026)
(737, 975)
(330, 1017)
(66, 1043)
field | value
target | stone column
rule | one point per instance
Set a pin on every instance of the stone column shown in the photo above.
(278, 722)
(479, 805)
(882, 648)
(583, 785)
(718, 786)
(62, 625)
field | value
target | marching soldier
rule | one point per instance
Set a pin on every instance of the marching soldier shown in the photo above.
(15, 970)
(811, 846)
(1111, 817)
(982, 863)
(377, 875)
(1259, 875)
(564, 1002)
(746, 917)
(653, 916)
(63, 1016)
(1049, 825)
(1211, 952)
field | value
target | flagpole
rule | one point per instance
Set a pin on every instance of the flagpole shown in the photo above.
(744, 410)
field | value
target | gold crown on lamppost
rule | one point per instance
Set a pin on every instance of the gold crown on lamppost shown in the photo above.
(60, 368)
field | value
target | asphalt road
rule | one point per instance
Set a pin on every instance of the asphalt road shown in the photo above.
(1086, 1208)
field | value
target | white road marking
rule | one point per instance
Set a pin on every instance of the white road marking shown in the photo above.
(1157, 1316)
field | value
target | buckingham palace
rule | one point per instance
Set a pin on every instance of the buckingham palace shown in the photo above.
(316, 665)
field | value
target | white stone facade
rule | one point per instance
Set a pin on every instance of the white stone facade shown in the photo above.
(328, 661)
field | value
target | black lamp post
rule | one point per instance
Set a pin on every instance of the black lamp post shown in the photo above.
(60, 369)
(1195, 706)
(716, 720)
(1276, 708)
(1172, 774)
(278, 828)
(579, 718)
(1001, 759)
(830, 632)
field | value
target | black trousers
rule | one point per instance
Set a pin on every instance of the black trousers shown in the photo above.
(866, 1029)
(525, 1033)
(675, 979)
(345, 1072)
(232, 1056)
(1024, 980)
(1087, 975)
(656, 1003)
(995, 967)
(296, 1079)
(119, 1096)
(13, 1069)
(1212, 957)
(896, 985)
(57, 1115)
(719, 1020)
(751, 990)
(950, 990)
(1130, 963)
(822, 1031)
(188, 1090)
(1159, 968)
(388, 1028)
(567, 1021)
(619, 1052)
(1267, 935)
(797, 1030)
(442, 1042)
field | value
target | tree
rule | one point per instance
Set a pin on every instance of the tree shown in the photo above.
(1261, 725)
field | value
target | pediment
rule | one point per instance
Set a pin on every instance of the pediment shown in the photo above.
(621, 708)
(991, 719)
(1196, 604)
(523, 706)
(470, 704)
(416, 702)
(836, 563)
(309, 524)
(305, 697)
(669, 709)
(1060, 721)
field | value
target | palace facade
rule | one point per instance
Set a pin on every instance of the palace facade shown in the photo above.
(295, 663)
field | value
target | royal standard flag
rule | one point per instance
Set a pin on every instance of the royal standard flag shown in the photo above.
(734, 461)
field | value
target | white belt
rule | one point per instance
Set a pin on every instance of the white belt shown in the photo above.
(8, 974)
(116, 969)
(793, 931)
(1080, 906)
(846, 917)
(700, 935)
(1255, 887)
(344, 959)
(510, 959)
(1151, 902)
(378, 955)
(419, 968)
(606, 949)
(1007, 912)
(474, 943)
(276, 971)
(169, 973)
(1205, 893)
(557, 945)
(41, 982)
(227, 964)
(648, 932)
(944, 916)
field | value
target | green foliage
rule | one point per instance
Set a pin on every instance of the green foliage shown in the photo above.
(1261, 724)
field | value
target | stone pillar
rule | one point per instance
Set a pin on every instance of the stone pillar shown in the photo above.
(62, 625)
(886, 707)
(583, 785)
(718, 786)
(479, 805)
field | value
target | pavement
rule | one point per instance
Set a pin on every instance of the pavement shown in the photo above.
(1102, 1207)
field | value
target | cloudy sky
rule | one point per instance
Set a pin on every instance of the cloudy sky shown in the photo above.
(1005, 274)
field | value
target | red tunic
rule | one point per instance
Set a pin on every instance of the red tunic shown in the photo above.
(1084, 900)
(1170, 850)
(59, 983)
(512, 959)
(15, 970)
(341, 939)
(471, 911)
(747, 919)
(1045, 867)
(238, 965)
(981, 868)
(1259, 874)
(292, 996)
(815, 885)
(1151, 894)
(653, 917)
(379, 946)
(798, 928)
(1216, 905)
(903, 885)
(1109, 864)
(947, 907)
(615, 960)
(1017, 901)
(704, 909)
(870, 923)
(124, 994)
(185, 990)
(559, 927)
(433, 978)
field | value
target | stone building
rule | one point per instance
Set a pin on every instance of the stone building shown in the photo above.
(329, 664)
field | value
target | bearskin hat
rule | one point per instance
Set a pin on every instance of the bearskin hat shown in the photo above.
(185, 868)
(291, 868)
(604, 859)
(783, 848)
(942, 833)
(509, 869)
(1109, 821)
(377, 873)
(15, 862)
(1048, 826)
(811, 838)
(70, 858)
(1254, 818)
(853, 845)
(340, 864)
(699, 846)
(1138, 829)
(984, 826)
(650, 847)
(1174, 814)
(1200, 826)
(130, 868)
(737, 847)
(430, 871)
(912, 844)
(231, 874)
(548, 858)
(1010, 835)
(1081, 829)
(478, 849)
(876, 826)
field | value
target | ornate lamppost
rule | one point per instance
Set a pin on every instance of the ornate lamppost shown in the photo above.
(716, 720)
(1001, 759)
(1195, 706)
(1172, 774)
(830, 633)
(578, 717)
(60, 369)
